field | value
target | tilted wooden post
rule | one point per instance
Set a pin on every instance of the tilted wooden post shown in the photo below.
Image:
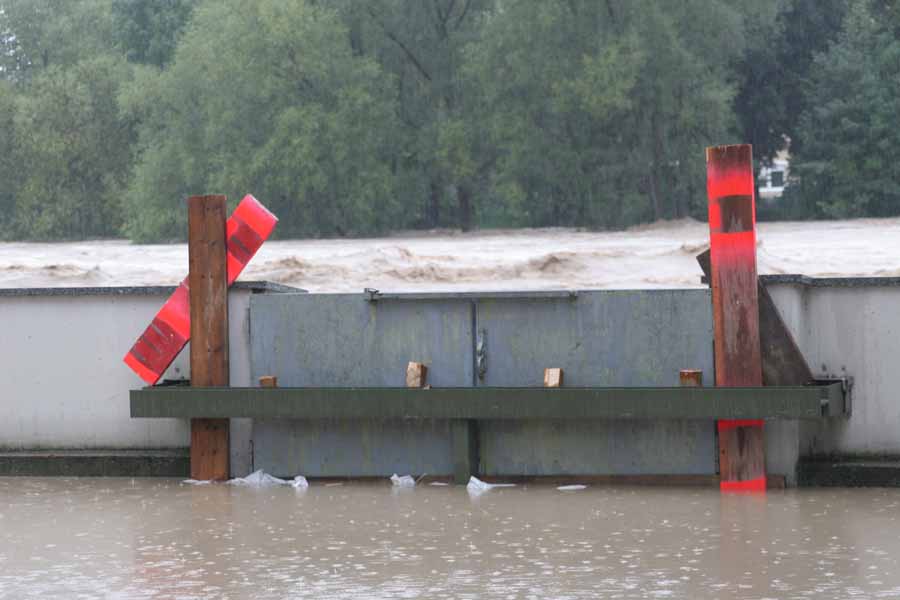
(208, 284)
(732, 241)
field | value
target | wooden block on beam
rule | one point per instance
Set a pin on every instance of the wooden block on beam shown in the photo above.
(690, 378)
(416, 375)
(268, 381)
(208, 287)
(553, 378)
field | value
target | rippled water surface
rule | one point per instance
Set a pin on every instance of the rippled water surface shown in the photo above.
(123, 538)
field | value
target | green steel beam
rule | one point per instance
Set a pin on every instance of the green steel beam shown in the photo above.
(790, 402)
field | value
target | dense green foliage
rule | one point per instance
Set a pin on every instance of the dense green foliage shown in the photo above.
(355, 118)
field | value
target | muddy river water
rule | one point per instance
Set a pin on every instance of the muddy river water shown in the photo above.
(159, 538)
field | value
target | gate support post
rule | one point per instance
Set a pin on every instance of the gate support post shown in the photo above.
(208, 284)
(732, 241)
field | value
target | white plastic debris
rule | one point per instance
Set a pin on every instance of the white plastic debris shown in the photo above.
(258, 479)
(439, 483)
(406, 481)
(571, 488)
(477, 486)
(197, 481)
(300, 482)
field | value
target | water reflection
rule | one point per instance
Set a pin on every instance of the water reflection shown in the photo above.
(156, 538)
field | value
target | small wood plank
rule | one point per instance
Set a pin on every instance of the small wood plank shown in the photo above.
(416, 375)
(553, 378)
(208, 287)
(690, 378)
(732, 227)
(268, 381)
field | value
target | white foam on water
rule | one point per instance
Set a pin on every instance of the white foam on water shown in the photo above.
(405, 481)
(477, 486)
(260, 478)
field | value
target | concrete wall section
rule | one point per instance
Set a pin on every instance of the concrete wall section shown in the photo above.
(63, 384)
(849, 328)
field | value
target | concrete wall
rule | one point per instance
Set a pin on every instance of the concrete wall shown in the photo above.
(63, 384)
(848, 327)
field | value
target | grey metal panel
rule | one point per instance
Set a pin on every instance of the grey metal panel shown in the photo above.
(345, 340)
(326, 448)
(599, 338)
(337, 340)
(596, 447)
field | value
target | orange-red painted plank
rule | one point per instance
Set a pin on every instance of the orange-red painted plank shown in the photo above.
(248, 227)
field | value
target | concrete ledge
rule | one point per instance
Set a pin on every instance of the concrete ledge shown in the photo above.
(788, 402)
(850, 472)
(255, 287)
(96, 463)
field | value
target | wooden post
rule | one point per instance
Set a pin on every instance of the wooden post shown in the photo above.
(732, 237)
(208, 285)
(553, 378)
(690, 378)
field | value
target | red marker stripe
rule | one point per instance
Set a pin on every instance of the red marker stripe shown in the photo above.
(249, 226)
(732, 423)
(749, 485)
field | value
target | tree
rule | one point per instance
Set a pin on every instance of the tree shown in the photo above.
(148, 32)
(9, 174)
(773, 73)
(72, 151)
(422, 44)
(265, 97)
(601, 109)
(845, 166)
(37, 34)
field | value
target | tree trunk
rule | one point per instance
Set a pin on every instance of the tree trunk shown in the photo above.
(464, 196)
(654, 194)
(433, 212)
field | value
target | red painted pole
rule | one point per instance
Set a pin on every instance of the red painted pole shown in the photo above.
(732, 240)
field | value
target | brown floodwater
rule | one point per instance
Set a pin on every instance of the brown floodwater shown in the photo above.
(143, 538)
